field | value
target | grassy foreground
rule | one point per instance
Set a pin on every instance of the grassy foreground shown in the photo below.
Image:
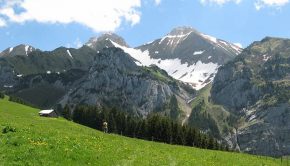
(56, 141)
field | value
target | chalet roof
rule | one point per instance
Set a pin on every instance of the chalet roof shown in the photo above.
(46, 111)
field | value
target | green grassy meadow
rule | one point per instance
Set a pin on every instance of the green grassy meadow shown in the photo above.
(56, 141)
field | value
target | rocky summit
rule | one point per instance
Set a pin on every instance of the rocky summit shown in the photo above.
(22, 49)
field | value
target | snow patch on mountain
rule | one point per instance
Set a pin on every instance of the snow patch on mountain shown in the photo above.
(26, 49)
(148, 43)
(237, 48)
(239, 45)
(198, 74)
(11, 49)
(223, 42)
(68, 52)
(198, 52)
(7, 86)
(225, 45)
(184, 36)
(266, 57)
(208, 37)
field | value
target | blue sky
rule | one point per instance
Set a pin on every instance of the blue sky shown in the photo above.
(48, 24)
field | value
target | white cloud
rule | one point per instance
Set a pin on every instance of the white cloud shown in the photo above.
(270, 3)
(157, 2)
(2, 23)
(219, 2)
(258, 3)
(239, 45)
(99, 15)
(78, 43)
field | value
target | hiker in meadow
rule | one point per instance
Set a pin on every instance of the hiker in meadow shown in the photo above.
(105, 127)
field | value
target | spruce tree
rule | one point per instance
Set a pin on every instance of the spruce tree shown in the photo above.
(66, 112)
(174, 109)
(112, 124)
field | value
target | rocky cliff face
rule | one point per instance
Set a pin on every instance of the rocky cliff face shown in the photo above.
(115, 80)
(266, 130)
(256, 88)
(7, 75)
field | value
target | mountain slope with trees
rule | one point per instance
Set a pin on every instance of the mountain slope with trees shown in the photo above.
(153, 128)
(29, 139)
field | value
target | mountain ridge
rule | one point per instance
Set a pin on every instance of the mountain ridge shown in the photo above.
(22, 49)
(192, 57)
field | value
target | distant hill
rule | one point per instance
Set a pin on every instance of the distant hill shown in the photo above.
(27, 138)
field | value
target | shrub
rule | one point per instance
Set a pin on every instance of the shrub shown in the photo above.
(8, 129)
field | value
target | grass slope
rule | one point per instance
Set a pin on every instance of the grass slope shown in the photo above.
(217, 112)
(56, 141)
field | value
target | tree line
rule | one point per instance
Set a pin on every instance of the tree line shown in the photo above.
(20, 101)
(14, 99)
(154, 128)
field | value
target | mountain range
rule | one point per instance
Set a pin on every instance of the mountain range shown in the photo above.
(240, 96)
(185, 54)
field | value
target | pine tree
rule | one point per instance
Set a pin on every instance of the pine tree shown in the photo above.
(168, 131)
(211, 143)
(112, 124)
(66, 112)
(190, 137)
(77, 115)
(174, 109)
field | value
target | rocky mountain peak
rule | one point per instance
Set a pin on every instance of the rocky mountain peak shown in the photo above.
(194, 57)
(105, 40)
(22, 49)
(181, 31)
(266, 47)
